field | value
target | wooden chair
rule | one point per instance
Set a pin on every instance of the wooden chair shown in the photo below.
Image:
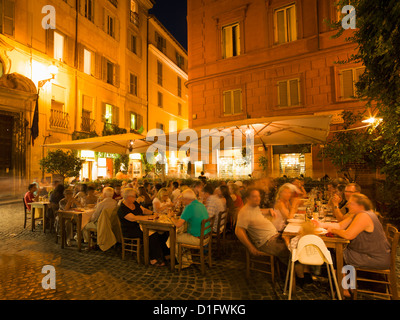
(27, 213)
(263, 264)
(92, 232)
(205, 240)
(130, 245)
(220, 234)
(389, 276)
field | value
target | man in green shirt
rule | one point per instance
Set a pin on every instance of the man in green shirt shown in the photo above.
(194, 213)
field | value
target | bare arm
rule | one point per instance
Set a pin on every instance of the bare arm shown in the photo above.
(132, 217)
(242, 236)
(362, 222)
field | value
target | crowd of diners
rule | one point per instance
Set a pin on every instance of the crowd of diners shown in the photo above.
(257, 210)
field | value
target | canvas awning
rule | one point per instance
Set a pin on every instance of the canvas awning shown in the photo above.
(266, 131)
(277, 130)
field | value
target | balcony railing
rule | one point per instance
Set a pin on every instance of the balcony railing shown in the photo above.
(87, 125)
(134, 17)
(59, 119)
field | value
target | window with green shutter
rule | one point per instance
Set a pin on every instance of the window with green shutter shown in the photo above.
(289, 93)
(232, 101)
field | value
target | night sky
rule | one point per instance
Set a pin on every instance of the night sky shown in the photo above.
(172, 14)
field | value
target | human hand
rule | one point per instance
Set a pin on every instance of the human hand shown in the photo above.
(336, 200)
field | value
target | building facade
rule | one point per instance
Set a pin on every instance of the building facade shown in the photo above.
(251, 59)
(88, 71)
(168, 95)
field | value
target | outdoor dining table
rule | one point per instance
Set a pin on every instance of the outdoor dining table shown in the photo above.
(157, 225)
(39, 205)
(82, 217)
(334, 242)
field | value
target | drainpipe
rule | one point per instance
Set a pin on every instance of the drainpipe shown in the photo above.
(147, 73)
(76, 64)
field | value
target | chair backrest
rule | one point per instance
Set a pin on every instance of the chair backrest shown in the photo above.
(222, 221)
(393, 236)
(311, 250)
(206, 224)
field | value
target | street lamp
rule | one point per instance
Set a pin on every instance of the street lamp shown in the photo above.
(53, 71)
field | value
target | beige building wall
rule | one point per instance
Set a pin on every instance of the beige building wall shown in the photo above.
(105, 30)
(167, 76)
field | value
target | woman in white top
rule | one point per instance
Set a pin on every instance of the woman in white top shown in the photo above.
(162, 202)
(285, 206)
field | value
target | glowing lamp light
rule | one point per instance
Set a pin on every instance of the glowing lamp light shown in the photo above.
(372, 120)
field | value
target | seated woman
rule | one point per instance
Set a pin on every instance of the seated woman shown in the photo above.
(285, 206)
(129, 212)
(235, 195)
(69, 202)
(146, 203)
(162, 202)
(55, 197)
(368, 247)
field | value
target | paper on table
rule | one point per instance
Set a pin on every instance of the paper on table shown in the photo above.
(291, 228)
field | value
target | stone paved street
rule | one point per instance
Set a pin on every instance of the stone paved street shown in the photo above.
(98, 275)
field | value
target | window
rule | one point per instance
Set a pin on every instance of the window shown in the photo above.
(160, 126)
(179, 109)
(161, 43)
(88, 62)
(159, 73)
(180, 61)
(230, 41)
(285, 24)
(134, 13)
(133, 122)
(160, 99)
(289, 93)
(133, 84)
(111, 26)
(179, 87)
(232, 101)
(110, 72)
(348, 79)
(132, 43)
(7, 17)
(89, 9)
(58, 46)
(108, 116)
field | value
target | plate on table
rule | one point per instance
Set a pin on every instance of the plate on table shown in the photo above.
(295, 221)
(321, 231)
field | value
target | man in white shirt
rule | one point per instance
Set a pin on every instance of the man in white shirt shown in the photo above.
(175, 191)
(107, 203)
(213, 204)
(255, 230)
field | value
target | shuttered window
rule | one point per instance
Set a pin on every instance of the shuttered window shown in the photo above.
(230, 41)
(159, 73)
(7, 17)
(289, 93)
(285, 24)
(232, 101)
(110, 114)
(348, 79)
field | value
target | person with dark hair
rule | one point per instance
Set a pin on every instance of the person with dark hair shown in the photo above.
(175, 191)
(340, 209)
(213, 204)
(30, 197)
(146, 203)
(91, 198)
(55, 197)
(202, 177)
(255, 230)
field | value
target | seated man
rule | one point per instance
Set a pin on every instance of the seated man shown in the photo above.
(91, 198)
(194, 213)
(117, 193)
(107, 203)
(213, 204)
(69, 202)
(255, 230)
(30, 197)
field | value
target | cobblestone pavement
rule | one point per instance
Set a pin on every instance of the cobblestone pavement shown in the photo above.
(98, 275)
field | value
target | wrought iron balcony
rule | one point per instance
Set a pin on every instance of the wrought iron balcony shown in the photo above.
(59, 119)
(87, 125)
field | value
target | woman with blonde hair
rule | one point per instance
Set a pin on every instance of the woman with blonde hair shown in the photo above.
(162, 201)
(285, 205)
(368, 247)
